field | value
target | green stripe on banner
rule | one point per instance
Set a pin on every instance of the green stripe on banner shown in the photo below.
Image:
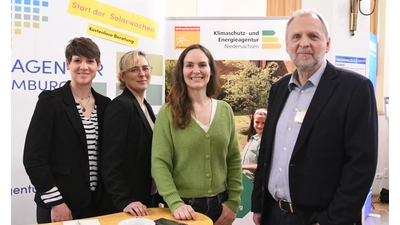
(245, 197)
(268, 32)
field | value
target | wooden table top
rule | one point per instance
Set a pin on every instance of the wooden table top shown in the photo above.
(154, 213)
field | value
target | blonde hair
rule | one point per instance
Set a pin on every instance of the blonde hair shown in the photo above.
(126, 63)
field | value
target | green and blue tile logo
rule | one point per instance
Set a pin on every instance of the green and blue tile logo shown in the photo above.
(27, 14)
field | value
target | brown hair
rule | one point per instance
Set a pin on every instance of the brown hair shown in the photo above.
(178, 98)
(251, 131)
(81, 46)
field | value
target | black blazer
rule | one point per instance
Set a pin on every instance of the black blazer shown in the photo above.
(334, 158)
(55, 151)
(126, 161)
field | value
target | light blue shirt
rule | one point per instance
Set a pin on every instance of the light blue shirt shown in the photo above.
(287, 130)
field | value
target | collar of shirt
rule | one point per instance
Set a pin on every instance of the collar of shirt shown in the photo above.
(314, 79)
(256, 137)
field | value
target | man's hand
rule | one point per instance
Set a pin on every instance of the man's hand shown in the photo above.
(227, 216)
(257, 218)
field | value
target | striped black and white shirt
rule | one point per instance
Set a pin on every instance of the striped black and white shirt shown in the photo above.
(53, 196)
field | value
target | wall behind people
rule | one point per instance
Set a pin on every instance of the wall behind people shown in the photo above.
(40, 32)
(343, 44)
(241, 56)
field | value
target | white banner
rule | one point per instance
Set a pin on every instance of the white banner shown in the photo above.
(40, 32)
(229, 38)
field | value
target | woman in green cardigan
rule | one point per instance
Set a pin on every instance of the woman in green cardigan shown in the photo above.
(196, 160)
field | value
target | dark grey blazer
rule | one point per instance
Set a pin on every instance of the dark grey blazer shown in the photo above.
(55, 151)
(334, 158)
(126, 161)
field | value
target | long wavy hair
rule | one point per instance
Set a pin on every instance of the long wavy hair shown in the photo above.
(178, 98)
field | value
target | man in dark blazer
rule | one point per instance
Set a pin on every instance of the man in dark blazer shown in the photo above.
(319, 146)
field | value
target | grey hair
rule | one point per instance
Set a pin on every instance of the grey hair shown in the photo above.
(307, 12)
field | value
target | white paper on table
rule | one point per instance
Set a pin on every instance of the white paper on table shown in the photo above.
(82, 222)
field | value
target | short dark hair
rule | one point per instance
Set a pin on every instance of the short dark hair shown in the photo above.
(82, 46)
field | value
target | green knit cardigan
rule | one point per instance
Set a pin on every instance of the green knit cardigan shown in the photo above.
(192, 163)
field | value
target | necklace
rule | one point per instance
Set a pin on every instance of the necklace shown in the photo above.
(83, 106)
(76, 96)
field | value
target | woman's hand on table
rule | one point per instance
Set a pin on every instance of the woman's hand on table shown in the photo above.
(185, 212)
(136, 209)
(60, 213)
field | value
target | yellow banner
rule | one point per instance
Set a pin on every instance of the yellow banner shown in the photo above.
(115, 17)
(112, 35)
(186, 36)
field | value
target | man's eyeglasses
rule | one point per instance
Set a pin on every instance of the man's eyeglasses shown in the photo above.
(137, 70)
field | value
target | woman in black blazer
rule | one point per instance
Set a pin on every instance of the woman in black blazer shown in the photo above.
(128, 132)
(63, 141)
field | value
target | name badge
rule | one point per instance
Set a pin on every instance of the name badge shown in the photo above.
(300, 116)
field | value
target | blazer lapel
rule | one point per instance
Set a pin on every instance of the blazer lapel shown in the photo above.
(275, 107)
(140, 111)
(143, 117)
(72, 112)
(325, 89)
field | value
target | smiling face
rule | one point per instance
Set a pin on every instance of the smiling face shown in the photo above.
(307, 42)
(82, 69)
(196, 69)
(259, 121)
(137, 79)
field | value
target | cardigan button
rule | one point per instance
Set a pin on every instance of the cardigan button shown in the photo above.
(207, 136)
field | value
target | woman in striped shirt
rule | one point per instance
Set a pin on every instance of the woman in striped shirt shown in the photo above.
(62, 145)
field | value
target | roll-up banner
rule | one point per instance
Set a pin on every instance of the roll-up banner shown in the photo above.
(229, 38)
(242, 46)
(40, 31)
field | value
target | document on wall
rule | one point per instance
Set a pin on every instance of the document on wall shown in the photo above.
(356, 64)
